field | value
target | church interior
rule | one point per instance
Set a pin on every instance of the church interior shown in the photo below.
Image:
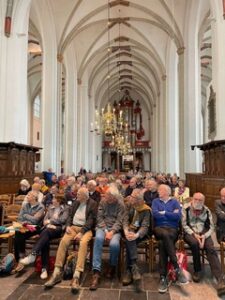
(113, 87)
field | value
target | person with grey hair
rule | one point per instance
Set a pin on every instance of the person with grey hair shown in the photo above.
(25, 187)
(166, 217)
(137, 227)
(68, 194)
(31, 213)
(108, 228)
(79, 227)
(93, 193)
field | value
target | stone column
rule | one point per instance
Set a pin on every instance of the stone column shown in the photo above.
(180, 52)
(13, 75)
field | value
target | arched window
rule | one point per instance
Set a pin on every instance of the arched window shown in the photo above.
(37, 107)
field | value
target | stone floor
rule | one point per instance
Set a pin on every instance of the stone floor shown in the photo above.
(28, 285)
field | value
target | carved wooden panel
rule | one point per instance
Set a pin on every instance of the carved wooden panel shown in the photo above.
(23, 163)
(14, 160)
(30, 162)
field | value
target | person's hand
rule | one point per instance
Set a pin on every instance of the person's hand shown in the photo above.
(46, 222)
(162, 212)
(68, 230)
(51, 226)
(198, 238)
(133, 236)
(176, 210)
(78, 236)
(202, 241)
(109, 235)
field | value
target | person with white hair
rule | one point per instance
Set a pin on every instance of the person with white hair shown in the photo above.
(137, 228)
(108, 228)
(79, 227)
(166, 213)
(25, 187)
(93, 193)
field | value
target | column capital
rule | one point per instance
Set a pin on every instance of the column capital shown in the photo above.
(180, 50)
(79, 81)
(59, 57)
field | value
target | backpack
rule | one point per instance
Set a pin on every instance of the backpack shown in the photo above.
(69, 267)
(7, 264)
(182, 261)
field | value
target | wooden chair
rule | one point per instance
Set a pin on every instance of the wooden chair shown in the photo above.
(18, 199)
(222, 249)
(5, 199)
(10, 213)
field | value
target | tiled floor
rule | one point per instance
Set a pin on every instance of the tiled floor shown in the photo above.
(28, 285)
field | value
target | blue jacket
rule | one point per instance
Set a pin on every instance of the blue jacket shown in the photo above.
(170, 218)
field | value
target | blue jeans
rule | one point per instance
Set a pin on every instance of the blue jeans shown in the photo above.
(114, 249)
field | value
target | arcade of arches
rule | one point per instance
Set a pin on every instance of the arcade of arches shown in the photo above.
(56, 57)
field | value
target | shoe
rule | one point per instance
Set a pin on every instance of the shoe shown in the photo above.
(44, 274)
(127, 278)
(75, 285)
(196, 277)
(135, 272)
(19, 268)
(163, 285)
(110, 272)
(221, 287)
(181, 277)
(30, 259)
(95, 281)
(53, 280)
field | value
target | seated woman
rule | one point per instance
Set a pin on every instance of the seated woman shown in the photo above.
(31, 213)
(182, 192)
(54, 223)
(25, 187)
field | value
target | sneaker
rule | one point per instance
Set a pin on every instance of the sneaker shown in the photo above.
(181, 277)
(56, 278)
(30, 259)
(19, 268)
(44, 274)
(127, 278)
(163, 285)
(196, 277)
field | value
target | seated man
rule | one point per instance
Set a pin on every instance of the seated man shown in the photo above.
(166, 216)
(132, 185)
(220, 214)
(109, 225)
(79, 228)
(151, 191)
(198, 227)
(136, 225)
(93, 194)
(32, 213)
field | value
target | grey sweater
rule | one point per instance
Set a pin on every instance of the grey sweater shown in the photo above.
(110, 216)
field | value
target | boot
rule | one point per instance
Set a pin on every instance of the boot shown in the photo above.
(75, 285)
(111, 272)
(55, 278)
(221, 286)
(95, 281)
(135, 272)
(127, 278)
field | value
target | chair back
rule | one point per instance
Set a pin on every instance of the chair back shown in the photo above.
(19, 199)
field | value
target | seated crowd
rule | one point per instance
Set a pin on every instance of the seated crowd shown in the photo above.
(109, 210)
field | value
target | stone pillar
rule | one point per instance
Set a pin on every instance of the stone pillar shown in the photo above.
(13, 75)
(50, 143)
(83, 126)
(180, 52)
(218, 73)
(70, 129)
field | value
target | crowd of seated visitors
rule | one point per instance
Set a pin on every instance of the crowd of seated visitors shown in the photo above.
(111, 208)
